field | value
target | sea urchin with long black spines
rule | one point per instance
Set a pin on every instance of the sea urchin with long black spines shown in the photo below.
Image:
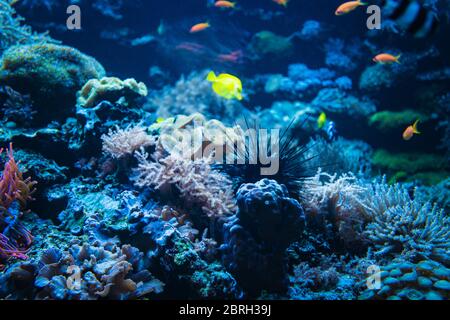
(288, 157)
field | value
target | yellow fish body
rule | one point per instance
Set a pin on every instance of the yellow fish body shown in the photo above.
(226, 85)
(321, 120)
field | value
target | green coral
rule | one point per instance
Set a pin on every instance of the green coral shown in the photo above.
(51, 74)
(395, 120)
(426, 167)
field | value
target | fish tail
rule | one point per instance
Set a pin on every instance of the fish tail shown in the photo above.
(397, 59)
(415, 130)
(211, 76)
(363, 3)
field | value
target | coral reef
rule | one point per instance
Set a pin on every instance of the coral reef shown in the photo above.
(386, 121)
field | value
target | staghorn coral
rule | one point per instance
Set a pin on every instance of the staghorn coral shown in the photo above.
(401, 225)
(197, 183)
(110, 89)
(121, 142)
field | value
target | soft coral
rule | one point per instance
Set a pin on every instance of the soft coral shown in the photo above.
(14, 238)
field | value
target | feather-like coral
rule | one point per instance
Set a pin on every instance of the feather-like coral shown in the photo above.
(198, 184)
(121, 142)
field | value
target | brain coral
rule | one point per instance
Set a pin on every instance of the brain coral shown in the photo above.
(51, 74)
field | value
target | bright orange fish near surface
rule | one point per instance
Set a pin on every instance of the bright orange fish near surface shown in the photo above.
(283, 3)
(410, 131)
(199, 27)
(225, 4)
(349, 7)
(386, 58)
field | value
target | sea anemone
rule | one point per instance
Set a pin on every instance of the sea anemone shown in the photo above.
(286, 158)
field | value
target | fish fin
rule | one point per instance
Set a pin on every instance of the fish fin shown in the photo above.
(363, 3)
(211, 76)
(398, 57)
(415, 127)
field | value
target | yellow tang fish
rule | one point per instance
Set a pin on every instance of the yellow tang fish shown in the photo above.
(321, 120)
(226, 85)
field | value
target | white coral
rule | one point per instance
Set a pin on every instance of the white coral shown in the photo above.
(121, 142)
(198, 184)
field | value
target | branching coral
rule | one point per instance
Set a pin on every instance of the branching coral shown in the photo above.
(198, 184)
(13, 32)
(121, 142)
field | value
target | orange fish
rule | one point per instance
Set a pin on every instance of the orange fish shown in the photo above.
(349, 7)
(281, 2)
(386, 58)
(233, 57)
(199, 27)
(410, 131)
(225, 4)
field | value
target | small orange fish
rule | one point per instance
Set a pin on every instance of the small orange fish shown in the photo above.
(283, 3)
(386, 58)
(349, 7)
(410, 131)
(199, 27)
(225, 4)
